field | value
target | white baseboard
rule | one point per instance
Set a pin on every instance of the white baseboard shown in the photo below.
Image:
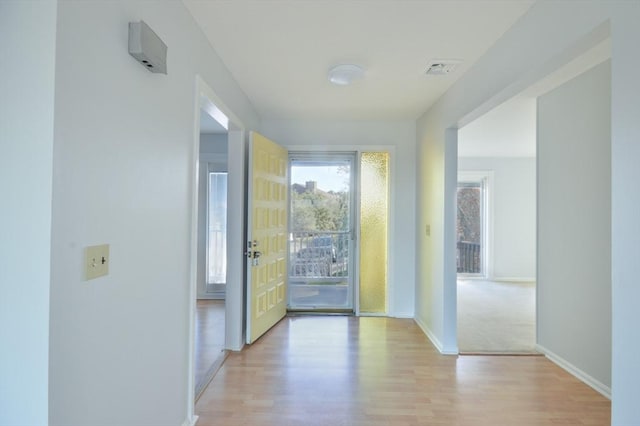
(429, 334)
(237, 348)
(434, 340)
(403, 315)
(598, 386)
(514, 279)
(190, 422)
(453, 351)
(210, 296)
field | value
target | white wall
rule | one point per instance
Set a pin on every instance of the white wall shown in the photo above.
(574, 219)
(557, 32)
(26, 141)
(512, 231)
(213, 149)
(401, 136)
(123, 175)
(213, 143)
(508, 130)
(625, 204)
(435, 203)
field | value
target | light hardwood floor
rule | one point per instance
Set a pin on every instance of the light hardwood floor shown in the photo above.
(209, 349)
(384, 372)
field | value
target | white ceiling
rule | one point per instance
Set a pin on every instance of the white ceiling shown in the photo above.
(279, 51)
(508, 130)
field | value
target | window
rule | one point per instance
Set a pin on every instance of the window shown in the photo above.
(471, 224)
(217, 229)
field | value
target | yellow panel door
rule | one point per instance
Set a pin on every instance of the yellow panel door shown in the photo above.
(267, 260)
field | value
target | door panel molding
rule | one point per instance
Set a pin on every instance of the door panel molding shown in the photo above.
(266, 239)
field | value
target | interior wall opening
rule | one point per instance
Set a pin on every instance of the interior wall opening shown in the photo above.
(478, 144)
(496, 230)
(210, 321)
(212, 117)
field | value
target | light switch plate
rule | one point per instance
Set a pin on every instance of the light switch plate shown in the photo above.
(96, 261)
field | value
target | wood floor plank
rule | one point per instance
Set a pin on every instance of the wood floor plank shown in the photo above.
(209, 344)
(383, 372)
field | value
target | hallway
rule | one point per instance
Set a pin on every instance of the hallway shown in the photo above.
(383, 372)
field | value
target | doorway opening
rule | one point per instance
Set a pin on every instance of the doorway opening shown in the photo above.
(210, 322)
(321, 232)
(218, 147)
(496, 231)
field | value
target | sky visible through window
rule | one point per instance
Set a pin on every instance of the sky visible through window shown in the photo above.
(329, 178)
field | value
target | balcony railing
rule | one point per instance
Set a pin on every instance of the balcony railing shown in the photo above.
(468, 258)
(316, 256)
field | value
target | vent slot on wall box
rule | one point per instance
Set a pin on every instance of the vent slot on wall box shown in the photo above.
(442, 66)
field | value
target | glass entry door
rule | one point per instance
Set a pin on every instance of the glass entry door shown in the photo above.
(321, 230)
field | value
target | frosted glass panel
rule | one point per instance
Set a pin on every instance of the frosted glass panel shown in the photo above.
(217, 235)
(374, 218)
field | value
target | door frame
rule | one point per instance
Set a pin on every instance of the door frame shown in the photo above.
(354, 182)
(205, 98)
(359, 149)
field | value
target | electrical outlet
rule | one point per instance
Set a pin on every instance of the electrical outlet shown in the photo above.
(427, 230)
(96, 261)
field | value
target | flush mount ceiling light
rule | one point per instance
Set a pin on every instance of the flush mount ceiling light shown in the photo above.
(345, 74)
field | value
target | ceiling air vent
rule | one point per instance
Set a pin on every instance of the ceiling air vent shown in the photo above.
(442, 66)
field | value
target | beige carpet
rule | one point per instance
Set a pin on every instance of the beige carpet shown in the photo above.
(496, 317)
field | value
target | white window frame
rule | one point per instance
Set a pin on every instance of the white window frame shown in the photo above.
(485, 176)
